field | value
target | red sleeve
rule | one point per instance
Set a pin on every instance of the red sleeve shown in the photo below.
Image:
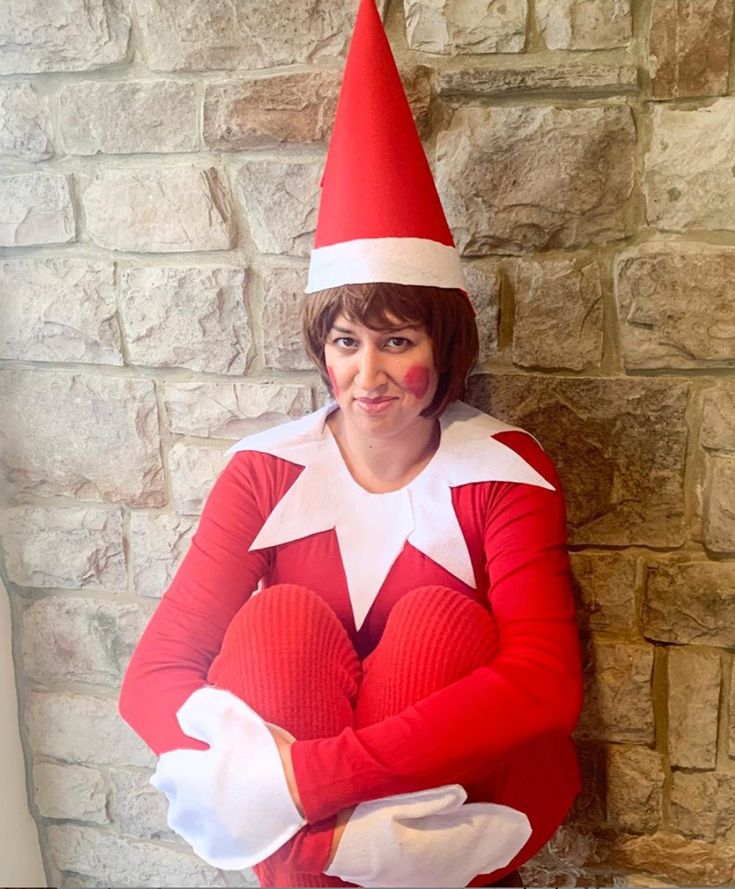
(532, 687)
(215, 578)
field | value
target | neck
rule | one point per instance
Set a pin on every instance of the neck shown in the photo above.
(380, 464)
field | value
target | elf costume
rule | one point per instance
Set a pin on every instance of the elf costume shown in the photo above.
(420, 645)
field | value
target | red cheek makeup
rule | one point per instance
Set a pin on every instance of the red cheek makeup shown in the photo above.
(417, 380)
(333, 380)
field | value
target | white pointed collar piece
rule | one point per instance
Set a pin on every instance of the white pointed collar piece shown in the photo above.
(373, 528)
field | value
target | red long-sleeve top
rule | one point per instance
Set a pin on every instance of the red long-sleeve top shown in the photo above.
(516, 537)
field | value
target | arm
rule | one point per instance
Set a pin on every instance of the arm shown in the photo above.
(532, 687)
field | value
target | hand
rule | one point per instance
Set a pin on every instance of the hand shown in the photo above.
(231, 803)
(430, 838)
(284, 740)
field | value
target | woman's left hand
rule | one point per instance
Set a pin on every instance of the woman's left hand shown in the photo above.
(284, 740)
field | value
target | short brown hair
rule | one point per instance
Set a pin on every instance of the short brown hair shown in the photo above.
(446, 313)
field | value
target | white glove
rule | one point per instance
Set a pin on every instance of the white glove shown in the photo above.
(427, 839)
(231, 803)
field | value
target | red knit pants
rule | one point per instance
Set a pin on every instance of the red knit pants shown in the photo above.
(288, 656)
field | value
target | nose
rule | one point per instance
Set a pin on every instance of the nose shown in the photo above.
(370, 370)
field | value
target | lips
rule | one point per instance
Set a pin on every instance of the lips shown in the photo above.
(373, 400)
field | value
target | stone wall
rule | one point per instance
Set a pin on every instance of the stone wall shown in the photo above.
(161, 168)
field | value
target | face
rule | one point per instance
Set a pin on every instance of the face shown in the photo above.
(381, 379)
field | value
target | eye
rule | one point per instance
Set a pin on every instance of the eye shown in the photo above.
(344, 342)
(399, 341)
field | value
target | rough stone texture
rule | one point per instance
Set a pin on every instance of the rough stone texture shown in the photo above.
(619, 446)
(75, 35)
(138, 808)
(193, 471)
(119, 861)
(558, 314)
(87, 547)
(484, 283)
(584, 24)
(282, 293)
(689, 48)
(270, 111)
(618, 693)
(280, 202)
(520, 179)
(526, 79)
(731, 714)
(58, 310)
(128, 117)
(79, 640)
(718, 417)
(688, 181)
(665, 322)
(635, 781)
(221, 410)
(475, 26)
(606, 587)
(694, 690)
(65, 791)
(243, 34)
(177, 208)
(193, 317)
(158, 543)
(25, 128)
(562, 860)
(80, 435)
(719, 517)
(690, 603)
(686, 862)
(703, 804)
(82, 729)
(35, 208)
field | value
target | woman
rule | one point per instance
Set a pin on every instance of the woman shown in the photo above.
(366, 670)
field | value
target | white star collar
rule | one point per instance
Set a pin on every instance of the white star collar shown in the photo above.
(373, 528)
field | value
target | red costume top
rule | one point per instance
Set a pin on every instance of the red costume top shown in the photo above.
(515, 535)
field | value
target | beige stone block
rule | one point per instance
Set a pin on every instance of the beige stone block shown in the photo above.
(703, 804)
(66, 791)
(25, 127)
(719, 515)
(193, 470)
(82, 729)
(690, 603)
(606, 587)
(243, 34)
(718, 417)
(589, 806)
(172, 209)
(73, 35)
(584, 24)
(59, 310)
(689, 48)
(564, 860)
(731, 714)
(234, 410)
(281, 202)
(635, 779)
(269, 111)
(282, 294)
(665, 321)
(186, 316)
(87, 547)
(121, 861)
(558, 314)
(520, 179)
(457, 26)
(687, 180)
(685, 862)
(484, 283)
(158, 543)
(79, 640)
(35, 208)
(128, 117)
(694, 692)
(524, 78)
(81, 435)
(138, 808)
(617, 697)
(619, 446)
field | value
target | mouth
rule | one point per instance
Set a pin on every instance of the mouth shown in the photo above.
(374, 405)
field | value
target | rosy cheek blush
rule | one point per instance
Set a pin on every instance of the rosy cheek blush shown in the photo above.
(417, 380)
(333, 380)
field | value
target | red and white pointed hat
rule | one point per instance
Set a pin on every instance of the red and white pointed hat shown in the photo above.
(380, 217)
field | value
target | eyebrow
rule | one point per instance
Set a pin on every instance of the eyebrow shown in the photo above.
(382, 329)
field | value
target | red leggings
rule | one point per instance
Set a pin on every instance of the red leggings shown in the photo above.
(288, 656)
